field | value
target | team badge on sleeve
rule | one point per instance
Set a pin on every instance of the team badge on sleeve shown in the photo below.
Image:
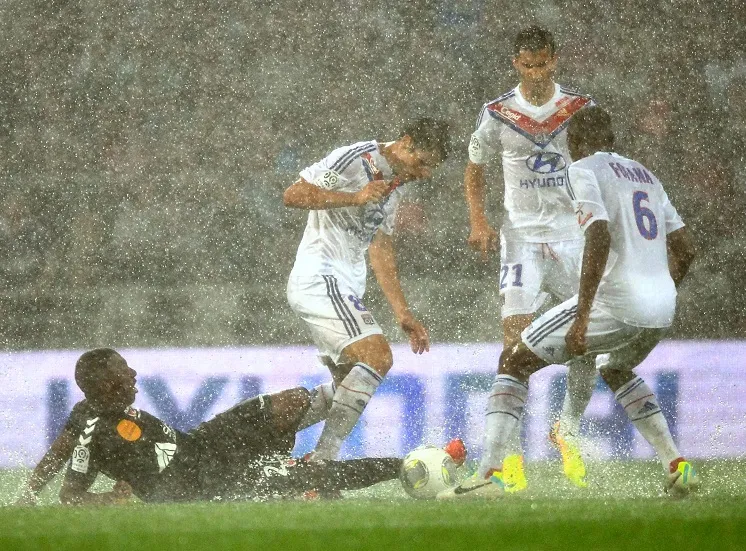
(474, 147)
(327, 180)
(81, 457)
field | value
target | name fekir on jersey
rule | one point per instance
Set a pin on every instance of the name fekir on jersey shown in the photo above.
(335, 240)
(636, 287)
(533, 143)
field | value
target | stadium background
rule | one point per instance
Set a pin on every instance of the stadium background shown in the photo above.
(145, 147)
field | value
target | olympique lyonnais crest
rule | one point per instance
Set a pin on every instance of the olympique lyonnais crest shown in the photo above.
(370, 167)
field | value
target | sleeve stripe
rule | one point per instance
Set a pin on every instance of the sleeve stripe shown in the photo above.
(345, 160)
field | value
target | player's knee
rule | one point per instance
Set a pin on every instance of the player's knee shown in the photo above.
(616, 378)
(518, 361)
(289, 407)
(375, 352)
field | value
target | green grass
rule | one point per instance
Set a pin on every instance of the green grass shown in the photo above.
(622, 509)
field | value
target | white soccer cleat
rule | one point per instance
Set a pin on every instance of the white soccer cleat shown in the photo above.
(476, 487)
(683, 479)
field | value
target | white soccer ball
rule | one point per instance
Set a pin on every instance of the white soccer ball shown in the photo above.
(426, 471)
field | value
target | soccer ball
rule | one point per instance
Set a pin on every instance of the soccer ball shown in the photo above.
(426, 471)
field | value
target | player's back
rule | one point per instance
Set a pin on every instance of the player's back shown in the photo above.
(637, 286)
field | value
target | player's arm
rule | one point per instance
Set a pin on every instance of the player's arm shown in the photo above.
(74, 491)
(681, 254)
(54, 459)
(383, 264)
(482, 237)
(595, 256)
(305, 195)
(593, 220)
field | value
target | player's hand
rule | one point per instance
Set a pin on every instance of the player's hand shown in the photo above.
(483, 239)
(121, 492)
(575, 338)
(373, 192)
(419, 340)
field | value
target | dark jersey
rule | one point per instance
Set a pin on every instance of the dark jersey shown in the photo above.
(129, 445)
(222, 456)
(239, 454)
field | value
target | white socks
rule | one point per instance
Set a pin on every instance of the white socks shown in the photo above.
(581, 381)
(350, 399)
(643, 410)
(321, 403)
(502, 420)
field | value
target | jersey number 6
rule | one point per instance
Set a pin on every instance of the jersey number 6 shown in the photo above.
(649, 231)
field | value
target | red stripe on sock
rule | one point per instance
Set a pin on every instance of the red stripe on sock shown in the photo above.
(356, 391)
(648, 396)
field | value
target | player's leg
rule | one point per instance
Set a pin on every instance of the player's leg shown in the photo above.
(360, 356)
(513, 471)
(520, 279)
(642, 407)
(262, 425)
(503, 418)
(293, 478)
(371, 359)
(564, 260)
(321, 397)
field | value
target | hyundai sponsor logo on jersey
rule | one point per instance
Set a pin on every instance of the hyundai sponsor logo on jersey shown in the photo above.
(546, 162)
(426, 399)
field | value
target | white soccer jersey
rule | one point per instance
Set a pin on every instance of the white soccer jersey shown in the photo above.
(533, 143)
(336, 240)
(636, 287)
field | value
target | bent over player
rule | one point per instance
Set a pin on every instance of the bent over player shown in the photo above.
(637, 252)
(540, 243)
(242, 453)
(352, 195)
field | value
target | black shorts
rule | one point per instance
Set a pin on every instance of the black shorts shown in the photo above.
(224, 457)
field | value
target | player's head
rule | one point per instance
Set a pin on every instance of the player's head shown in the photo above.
(422, 146)
(104, 377)
(589, 131)
(535, 55)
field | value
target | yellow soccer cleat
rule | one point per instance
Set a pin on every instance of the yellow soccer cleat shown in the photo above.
(683, 478)
(513, 475)
(572, 462)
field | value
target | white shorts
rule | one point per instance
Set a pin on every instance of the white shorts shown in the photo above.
(334, 314)
(627, 345)
(529, 272)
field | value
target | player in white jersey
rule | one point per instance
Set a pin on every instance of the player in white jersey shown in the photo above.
(352, 195)
(636, 253)
(540, 242)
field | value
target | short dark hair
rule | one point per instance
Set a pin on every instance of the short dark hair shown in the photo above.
(90, 368)
(592, 126)
(430, 135)
(533, 39)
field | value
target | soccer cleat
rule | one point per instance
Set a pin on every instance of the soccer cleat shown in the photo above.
(513, 475)
(572, 462)
(683, 478)
(456, 449)
(476, 487)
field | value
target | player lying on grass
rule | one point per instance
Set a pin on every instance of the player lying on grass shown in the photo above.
(242, 453)
(637, 252)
